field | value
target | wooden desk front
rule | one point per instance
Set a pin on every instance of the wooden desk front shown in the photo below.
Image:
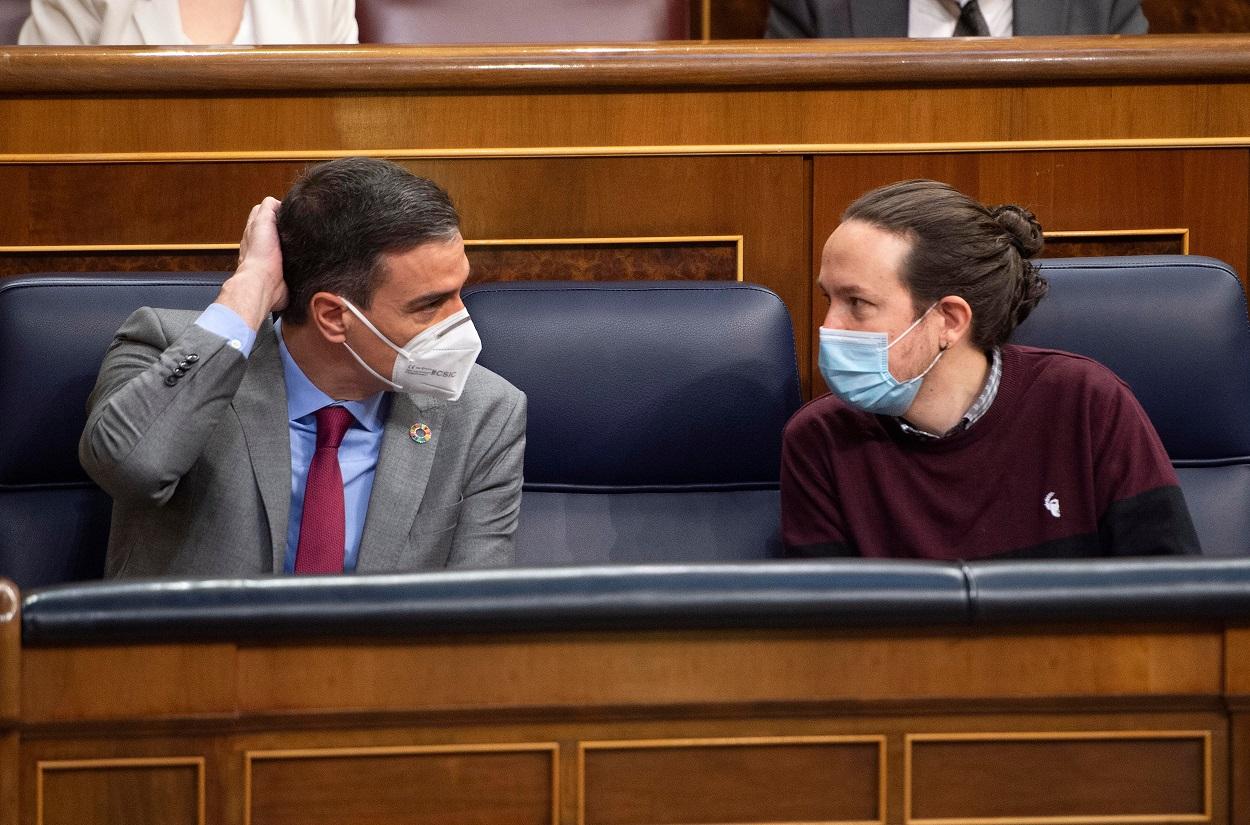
(1095, 723)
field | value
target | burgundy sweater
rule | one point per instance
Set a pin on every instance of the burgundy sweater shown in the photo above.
(1064, 464)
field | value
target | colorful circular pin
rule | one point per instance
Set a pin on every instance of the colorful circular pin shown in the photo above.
(419, 433)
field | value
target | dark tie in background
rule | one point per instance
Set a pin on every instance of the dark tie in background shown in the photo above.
(321, 528)
(971, 22)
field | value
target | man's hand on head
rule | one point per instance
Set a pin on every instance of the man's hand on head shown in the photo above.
(256, 288)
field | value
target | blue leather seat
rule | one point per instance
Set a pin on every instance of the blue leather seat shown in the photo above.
(655, 408)
(1175, 329)
(54, 330)
(655, 416)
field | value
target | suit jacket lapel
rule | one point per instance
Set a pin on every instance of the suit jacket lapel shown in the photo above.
(398, 483)
(878, 18)
(1029, 17)
(260, 404)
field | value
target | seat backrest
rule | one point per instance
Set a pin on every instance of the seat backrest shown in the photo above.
(534, 21)
(655, 416)
(1175, 328)
(13, 14)
(54, 330)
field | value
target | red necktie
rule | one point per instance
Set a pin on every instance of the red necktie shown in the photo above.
(321, 531)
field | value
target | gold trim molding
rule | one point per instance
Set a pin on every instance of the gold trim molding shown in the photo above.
(1061, 736)
(522, 152)
(653, 240)
(61, 249)
(197, 762)
(551, 748)
(755, 741)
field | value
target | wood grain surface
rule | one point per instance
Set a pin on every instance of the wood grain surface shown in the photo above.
(99, 792)
(699, 726)
(766, 141)
(812, 63)
(483, 785)
(695, 781)
(1084, 778)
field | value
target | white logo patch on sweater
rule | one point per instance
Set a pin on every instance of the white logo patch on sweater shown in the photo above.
(1051, 503)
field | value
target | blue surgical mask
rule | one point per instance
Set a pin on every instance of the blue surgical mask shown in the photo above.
(856, 366)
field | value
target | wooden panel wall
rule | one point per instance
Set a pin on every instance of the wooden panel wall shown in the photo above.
(733, 780)
(10, 700)
(701, 218)
(143, 791)
(653, 162)
(1098, 724)
(1078, 776)
(447, 785)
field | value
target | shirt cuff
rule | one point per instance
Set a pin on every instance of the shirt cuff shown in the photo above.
(220, 319)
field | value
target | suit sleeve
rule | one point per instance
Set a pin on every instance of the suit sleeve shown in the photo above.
(60, 23)
(492, 498)
(159, 397)
(1142, 509)
(791, 18)
(1127, 18)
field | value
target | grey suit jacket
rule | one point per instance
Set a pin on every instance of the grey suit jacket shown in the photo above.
(199, 465)
(888, 18)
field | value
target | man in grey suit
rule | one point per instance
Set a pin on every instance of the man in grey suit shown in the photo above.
(941, 18)
(355, 434)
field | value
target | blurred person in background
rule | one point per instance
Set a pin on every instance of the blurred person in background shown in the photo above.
(188, 22)
(953, 18)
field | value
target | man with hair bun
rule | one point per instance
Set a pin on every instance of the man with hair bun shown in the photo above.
(940, 439)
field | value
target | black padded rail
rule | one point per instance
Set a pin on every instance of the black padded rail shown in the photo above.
(1121, 589)
(767, 595)
(846, 593)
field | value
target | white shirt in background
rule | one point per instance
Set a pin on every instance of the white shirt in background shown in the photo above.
(937, 18)
(245, 36)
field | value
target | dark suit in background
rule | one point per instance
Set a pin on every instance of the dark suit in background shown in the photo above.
(888, 18)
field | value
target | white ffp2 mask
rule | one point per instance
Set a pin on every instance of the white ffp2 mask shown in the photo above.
(435, 363)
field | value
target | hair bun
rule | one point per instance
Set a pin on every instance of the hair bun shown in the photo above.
(1030, 290)
(1021, 227)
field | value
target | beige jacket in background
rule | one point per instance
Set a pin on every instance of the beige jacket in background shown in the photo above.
(158, 23)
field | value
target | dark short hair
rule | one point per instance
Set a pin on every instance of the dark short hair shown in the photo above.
(340, 218)
(961, 247)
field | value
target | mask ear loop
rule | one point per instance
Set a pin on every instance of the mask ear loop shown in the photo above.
(388, 382)
(927, 369)
(914, 324)
(398, 350)
(941, 347)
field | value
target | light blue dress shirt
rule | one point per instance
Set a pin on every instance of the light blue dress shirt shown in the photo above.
(358, 454)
